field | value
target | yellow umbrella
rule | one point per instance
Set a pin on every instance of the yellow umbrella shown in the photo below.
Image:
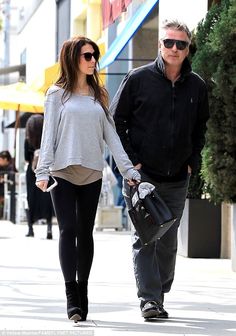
(46, 79)
(21, 97)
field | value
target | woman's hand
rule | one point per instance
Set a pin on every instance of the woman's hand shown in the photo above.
(42, 185)
(136, 178)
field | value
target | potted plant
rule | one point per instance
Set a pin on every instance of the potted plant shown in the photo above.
(219, 159)
(214, 60)
(200, 229)
(199, 233)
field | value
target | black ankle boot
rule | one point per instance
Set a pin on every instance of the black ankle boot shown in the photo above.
(49, 230)
(30, 224)
(73, 310)
(83, 298)
(30, 232)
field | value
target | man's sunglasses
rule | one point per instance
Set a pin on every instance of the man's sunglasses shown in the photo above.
(88, 56)
(180, 45)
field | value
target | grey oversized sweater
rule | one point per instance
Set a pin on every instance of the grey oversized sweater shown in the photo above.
(74, 133)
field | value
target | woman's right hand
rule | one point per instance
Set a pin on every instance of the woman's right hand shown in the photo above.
(42, 185)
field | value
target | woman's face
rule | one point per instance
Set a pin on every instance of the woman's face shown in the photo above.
(87, 60)
(3, 162)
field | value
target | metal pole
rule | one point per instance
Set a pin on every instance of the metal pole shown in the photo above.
(6, 36)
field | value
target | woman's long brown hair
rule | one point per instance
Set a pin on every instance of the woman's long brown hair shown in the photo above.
(69, 66)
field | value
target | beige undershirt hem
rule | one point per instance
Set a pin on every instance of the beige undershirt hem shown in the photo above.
(78, 174)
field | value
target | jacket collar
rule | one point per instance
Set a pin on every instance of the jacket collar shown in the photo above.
(160, 67)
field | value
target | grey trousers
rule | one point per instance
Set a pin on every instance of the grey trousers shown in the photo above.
(154, 264)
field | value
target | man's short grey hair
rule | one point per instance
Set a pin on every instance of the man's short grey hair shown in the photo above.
(175, 25)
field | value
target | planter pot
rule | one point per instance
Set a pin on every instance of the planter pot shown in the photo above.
(233, 238)
(226, 224)
(199, 233)
(109, 217)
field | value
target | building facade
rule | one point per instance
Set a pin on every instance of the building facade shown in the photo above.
(131, 39)
(125, 30)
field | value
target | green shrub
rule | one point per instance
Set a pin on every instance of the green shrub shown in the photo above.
(214, 60)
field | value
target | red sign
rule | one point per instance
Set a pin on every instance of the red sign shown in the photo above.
(116, 8)
(106, 13)
(127, 2)
(111, 10)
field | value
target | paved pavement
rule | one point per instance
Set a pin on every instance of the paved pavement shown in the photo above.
(202, 301)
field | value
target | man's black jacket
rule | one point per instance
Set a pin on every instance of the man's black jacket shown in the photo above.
(162, 125)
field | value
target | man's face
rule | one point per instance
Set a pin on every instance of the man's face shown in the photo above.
(173, 56)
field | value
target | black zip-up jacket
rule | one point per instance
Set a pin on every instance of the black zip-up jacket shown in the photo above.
(162, 125)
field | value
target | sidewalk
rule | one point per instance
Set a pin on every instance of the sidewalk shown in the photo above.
(202, 300)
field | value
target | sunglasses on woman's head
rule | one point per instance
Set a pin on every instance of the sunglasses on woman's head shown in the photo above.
(88, 56)
(180, 45)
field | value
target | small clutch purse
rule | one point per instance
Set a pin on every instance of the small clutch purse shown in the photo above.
(150, 215)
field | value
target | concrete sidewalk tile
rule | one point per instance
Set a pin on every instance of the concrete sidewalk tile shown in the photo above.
(202, 300)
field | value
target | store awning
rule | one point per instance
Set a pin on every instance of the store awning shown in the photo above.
(126, 34)
(21, 98)
(23, 118)
(46, 78)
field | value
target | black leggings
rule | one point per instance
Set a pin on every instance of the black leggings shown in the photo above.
(75, 207)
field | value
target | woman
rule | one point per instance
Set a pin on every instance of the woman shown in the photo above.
(39, 204)
(76, 124)
(6, 167)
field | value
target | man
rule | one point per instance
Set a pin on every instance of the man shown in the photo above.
(160, 112)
